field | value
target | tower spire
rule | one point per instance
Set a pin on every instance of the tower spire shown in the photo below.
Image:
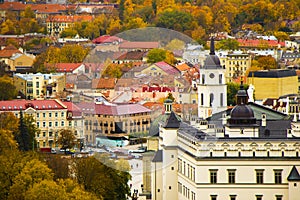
(212, 46)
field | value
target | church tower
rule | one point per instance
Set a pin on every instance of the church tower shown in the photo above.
(212, 90)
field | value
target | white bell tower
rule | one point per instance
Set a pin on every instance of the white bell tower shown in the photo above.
(212, 89)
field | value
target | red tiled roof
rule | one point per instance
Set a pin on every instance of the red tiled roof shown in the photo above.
(107, 39)
(69, 85)
(115, 110)
(139, 45)
(66, 67)
(94, 67)
(167, 68)
(9, 51)
(16, 105)
(76, 111)
(259, 43)
(12, 6)
(104, 83)
(69, 18)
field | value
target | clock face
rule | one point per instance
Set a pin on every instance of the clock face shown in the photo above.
(211, 75)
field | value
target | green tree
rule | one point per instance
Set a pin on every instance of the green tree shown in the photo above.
(66, 139)
(156, 55)
(228, 44)
(24, 137)
(232, 89)
(7, 89)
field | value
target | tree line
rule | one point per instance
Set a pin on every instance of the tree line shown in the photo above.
(26, 174)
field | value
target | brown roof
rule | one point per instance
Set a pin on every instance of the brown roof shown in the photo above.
(132, 55)
(104, 83)
(9, 51)
(183, 67)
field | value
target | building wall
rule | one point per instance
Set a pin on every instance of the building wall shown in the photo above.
(22, 61)
(273, 87)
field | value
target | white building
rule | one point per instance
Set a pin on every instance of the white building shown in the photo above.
(211, 87)
(247, 152)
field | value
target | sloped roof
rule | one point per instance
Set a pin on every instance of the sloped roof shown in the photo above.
(114, 110)
(9, 51)
(172, 121)
(76, 111)
(69, 18)
(132, 55)
(104, 83)
(294, 175)
(66, 67)
(16, 105)
(259, 43)
(182, 67)
(167, 68)
(158, 156)
(106, 39)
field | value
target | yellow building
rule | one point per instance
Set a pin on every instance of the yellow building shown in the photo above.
(58, 23)
(39, 85)
(20, 62)
(236, 64)
(273, 83)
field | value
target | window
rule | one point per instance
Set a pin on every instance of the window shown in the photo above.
(44, 114)
(213, 197)
(44, 124)
(259, 176)
(38, 124)
(50, 124)
(278, 197)
(231, 176)
(220, 79)
(56, 124)
(62, 123)
(211, 99)
(56, 114)
(278, 176)
(179, 187)
(37, 115)
(193, 195)
(203, 79)
(50, 114)
(62, 114)
(258, 197)
(221, 99)
(232, 197)
(202, 99)
(213, 176)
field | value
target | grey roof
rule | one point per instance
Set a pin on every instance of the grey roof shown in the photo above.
(277, 123)
(212, 61)
(158, 156)
(172, 121)
(294, 175)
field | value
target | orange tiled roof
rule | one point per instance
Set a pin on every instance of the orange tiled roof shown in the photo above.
(8, 51)
(182, 67)
(12, 6)
(69, 19)
(258, 43)
(65, 67)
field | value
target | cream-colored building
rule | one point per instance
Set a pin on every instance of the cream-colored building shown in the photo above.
(50, 117)
(34, 86)
(114, 121)
(248, 153)
(236, 64)
(20, 62)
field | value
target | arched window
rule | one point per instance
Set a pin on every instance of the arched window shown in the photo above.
(203, 79)
(221, 99)
(211, 99)
(220, 79)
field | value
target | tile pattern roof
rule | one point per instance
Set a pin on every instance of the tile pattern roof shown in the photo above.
(69, 18)
(66, 67)
(76, 111)
(104, 83)
(260, 43)
(9, 51)
(39, 8)
(131, 55)
(106, 39)
(16, 105)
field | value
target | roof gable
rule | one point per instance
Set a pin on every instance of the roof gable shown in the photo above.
(294, 175)
(172, 121)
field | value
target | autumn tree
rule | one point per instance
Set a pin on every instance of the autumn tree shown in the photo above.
(232, 89)
(66, 139)
(266, 62)
(175, 44)
(7, 89)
